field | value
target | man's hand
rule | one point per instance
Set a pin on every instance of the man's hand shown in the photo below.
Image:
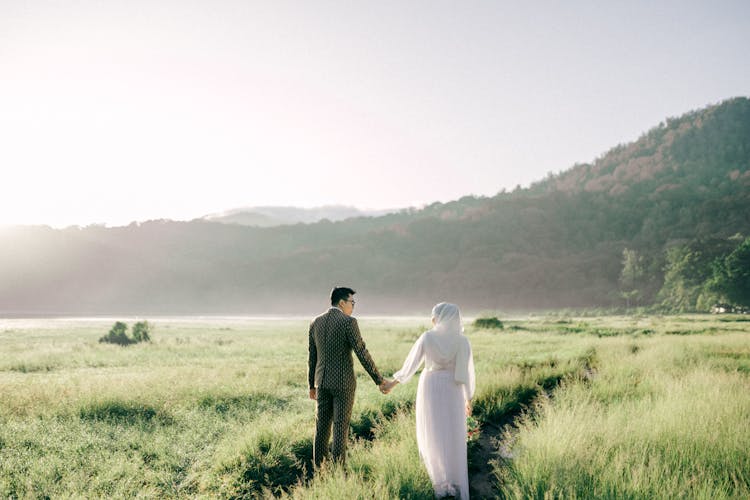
(313, 394)
(387, 385)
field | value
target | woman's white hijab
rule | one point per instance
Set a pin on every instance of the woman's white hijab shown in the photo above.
(450, 340)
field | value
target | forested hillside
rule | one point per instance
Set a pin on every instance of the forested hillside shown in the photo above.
(684, 186)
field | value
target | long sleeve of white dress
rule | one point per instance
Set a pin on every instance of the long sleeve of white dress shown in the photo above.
(470, 385)
(412, 362)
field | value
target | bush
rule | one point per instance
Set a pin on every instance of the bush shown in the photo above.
(492, 322)
(142, 331)
(118, 334)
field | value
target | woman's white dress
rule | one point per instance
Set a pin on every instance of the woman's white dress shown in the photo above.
(444, 387)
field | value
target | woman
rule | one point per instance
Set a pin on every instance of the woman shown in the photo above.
(443, 399)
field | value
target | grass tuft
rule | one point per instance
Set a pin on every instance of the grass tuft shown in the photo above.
(244, 403)
(31, 367)
(488, 323)
(123, 413)
(364, 423)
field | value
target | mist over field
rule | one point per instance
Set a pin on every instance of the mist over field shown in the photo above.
(658, 222)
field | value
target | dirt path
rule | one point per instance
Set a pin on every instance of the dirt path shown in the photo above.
(482, 456)
(485, 455)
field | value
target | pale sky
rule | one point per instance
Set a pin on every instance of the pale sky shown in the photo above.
(115, 111)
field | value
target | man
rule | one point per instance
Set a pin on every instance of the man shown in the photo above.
(333, 336)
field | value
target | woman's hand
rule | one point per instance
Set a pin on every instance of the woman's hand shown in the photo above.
(468, 408)
(387, 386)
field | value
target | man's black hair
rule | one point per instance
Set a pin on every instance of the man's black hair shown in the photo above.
(340, 293)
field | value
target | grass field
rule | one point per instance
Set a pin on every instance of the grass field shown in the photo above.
(605, 407)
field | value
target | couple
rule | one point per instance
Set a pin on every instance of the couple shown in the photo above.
(444, 393)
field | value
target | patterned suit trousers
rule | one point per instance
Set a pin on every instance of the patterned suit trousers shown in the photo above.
(334, 406)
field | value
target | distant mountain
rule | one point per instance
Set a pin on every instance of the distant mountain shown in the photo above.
(279, 216)
(556, 244)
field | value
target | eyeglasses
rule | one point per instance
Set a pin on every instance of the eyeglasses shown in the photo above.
(351, 300)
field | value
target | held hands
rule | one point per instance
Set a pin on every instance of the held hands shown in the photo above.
(313, 394)
(387, 386)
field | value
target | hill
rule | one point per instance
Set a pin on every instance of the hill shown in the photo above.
(279, 216)
(558, 243)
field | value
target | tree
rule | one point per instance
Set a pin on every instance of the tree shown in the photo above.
(631, 275)
(694, 274)
(686, 276)
(732, 275)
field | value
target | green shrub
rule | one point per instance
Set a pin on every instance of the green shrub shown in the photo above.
(118, 334)
(142, 331)
(491, 322)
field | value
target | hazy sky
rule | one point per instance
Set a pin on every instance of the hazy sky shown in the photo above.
(114, 111)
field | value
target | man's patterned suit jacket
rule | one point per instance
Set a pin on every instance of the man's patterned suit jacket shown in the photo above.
(333, 337)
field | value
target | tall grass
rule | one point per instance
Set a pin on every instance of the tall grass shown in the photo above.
(220, 409)
(387, 467)
(660, 421)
